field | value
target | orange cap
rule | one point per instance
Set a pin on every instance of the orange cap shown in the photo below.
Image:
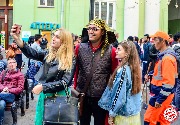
(161, 34)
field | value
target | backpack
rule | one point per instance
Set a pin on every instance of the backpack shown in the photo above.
(2, 66)
(43, 44)
(31, 40)
(177, 51)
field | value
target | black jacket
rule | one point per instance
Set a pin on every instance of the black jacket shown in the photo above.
(51, 78)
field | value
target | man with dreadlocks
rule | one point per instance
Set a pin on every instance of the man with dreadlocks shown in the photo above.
(95, 62)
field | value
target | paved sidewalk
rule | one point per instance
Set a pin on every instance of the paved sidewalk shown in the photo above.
(28, 119)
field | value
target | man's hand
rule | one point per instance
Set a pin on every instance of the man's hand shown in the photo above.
(157, 105)
(37, 89)
(6, 90)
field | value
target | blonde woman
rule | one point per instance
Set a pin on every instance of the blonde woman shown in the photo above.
(122, 97)
(58, 66)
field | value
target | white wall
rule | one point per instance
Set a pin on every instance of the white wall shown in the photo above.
(131, 18)
(152, 11)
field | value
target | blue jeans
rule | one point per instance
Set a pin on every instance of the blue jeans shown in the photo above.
(147, 123)
(177, 94)
(2, 107)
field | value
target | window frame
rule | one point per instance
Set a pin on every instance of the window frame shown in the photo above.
(107, 14)
(44, 6)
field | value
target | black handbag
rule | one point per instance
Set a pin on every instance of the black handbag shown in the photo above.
(61, 109)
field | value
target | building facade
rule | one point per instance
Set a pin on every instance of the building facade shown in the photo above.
(139, 17)
(174, 16)
(6, 20)
(45, 16)
(126, 17)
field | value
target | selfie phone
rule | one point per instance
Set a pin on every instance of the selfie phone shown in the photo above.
(18, 29)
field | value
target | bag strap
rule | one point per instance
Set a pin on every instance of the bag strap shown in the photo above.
(89, 76)
(145, 85)
(119, 87)
(66, 89)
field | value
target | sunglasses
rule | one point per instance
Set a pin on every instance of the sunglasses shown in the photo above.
(93, 28)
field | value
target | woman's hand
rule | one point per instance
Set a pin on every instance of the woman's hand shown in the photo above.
(13, 32)
(111, 120)
(16, 36)
(37, 89)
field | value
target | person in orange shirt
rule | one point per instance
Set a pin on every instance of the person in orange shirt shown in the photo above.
(14, 52)
(163, 81)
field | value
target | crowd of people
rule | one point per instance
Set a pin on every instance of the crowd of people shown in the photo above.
(112, 71)
(12, 79)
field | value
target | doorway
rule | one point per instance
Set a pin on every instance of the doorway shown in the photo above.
(174, 17)
(48, 36)
(2, 33)
(6, 22)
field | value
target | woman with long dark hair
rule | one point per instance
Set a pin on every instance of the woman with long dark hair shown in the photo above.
(122, 97)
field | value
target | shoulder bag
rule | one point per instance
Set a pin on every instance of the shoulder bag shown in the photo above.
(61, 109)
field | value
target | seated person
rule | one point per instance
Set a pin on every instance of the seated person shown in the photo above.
(11, 84)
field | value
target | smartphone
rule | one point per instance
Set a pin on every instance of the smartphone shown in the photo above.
(18, 29)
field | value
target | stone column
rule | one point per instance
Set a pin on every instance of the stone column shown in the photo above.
(120, 18)
(131, 18)
(152, 11)
(141, 18)
(163, 16)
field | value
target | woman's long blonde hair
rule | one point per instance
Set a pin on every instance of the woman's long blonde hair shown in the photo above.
(133, 60)
(64, 54)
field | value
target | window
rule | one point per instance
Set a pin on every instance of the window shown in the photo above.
(2, 13)
(10, 3)
(3, 2)
(105, 9)
(46, 3)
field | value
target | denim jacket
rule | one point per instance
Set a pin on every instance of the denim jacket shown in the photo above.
(124, 103)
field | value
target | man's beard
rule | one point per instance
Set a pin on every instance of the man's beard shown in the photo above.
(145, 41)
